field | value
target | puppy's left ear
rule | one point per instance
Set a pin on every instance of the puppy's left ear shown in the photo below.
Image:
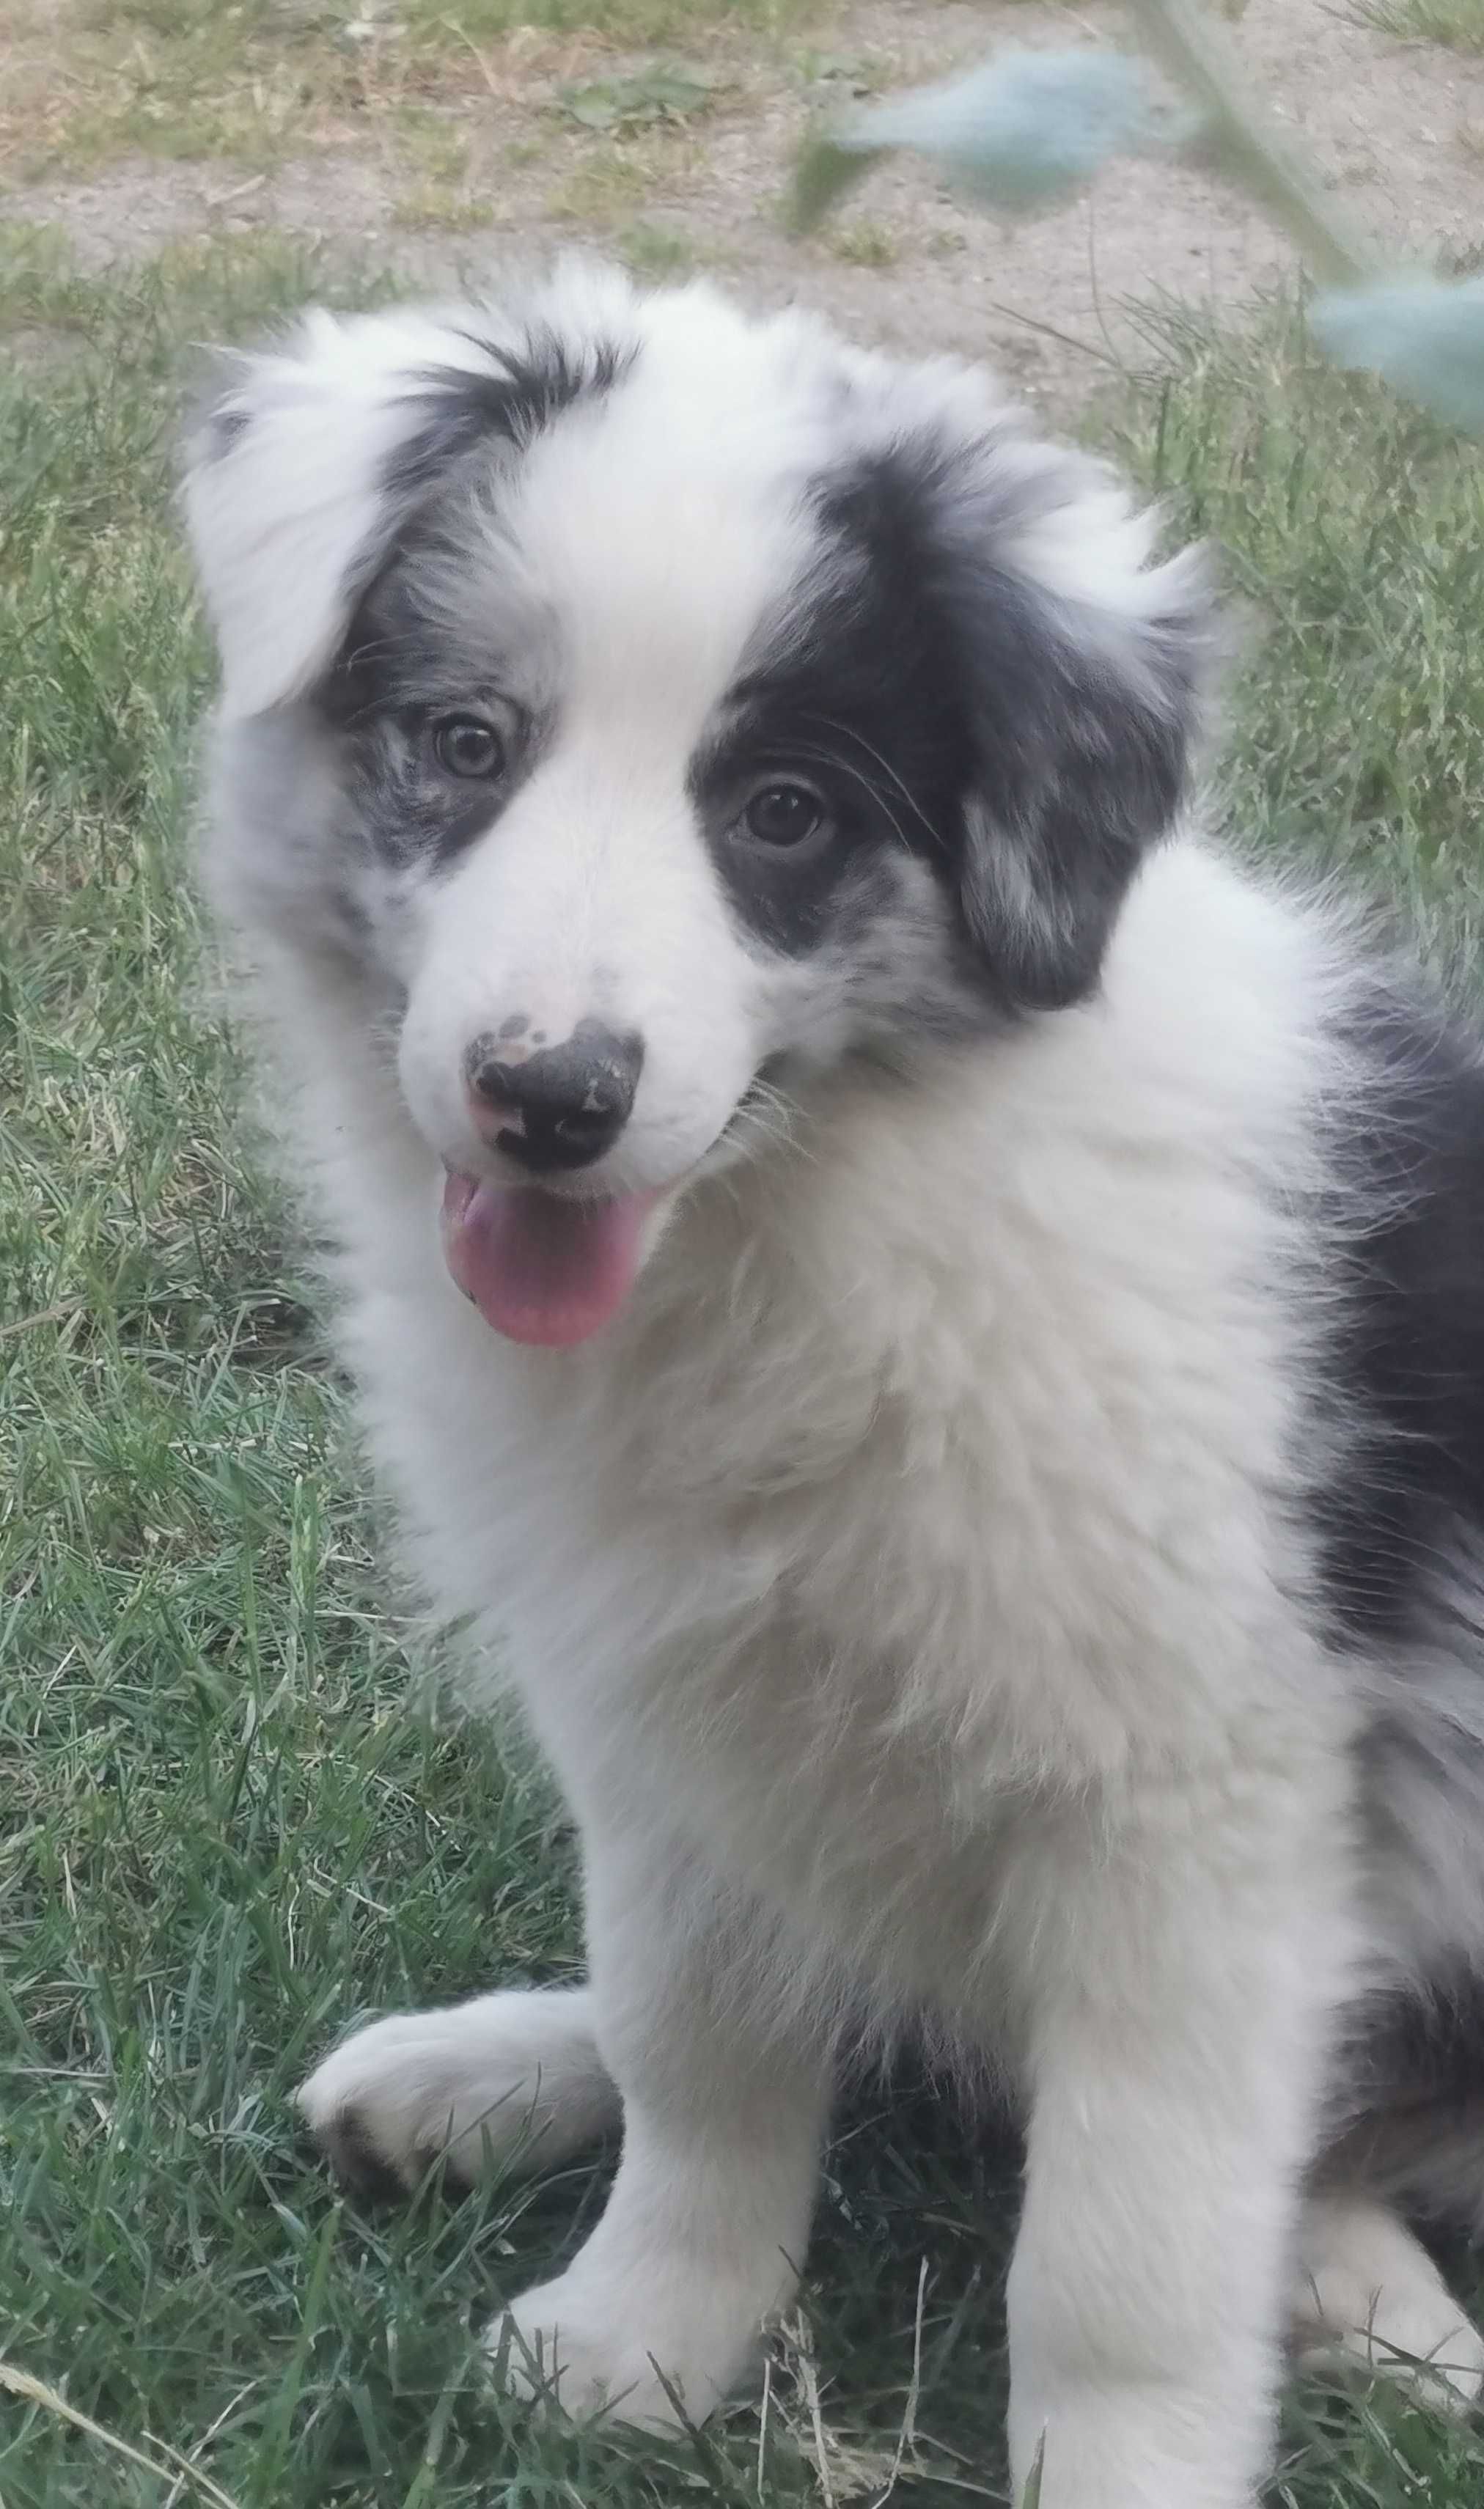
(1082, 668)
(298, 475)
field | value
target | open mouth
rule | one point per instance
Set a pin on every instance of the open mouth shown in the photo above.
(542, 1267)
(552, 1269)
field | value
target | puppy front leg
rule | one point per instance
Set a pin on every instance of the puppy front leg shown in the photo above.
(724, 2115)
(1178, 2002)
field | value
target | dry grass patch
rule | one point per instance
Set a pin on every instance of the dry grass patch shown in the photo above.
(86, 82)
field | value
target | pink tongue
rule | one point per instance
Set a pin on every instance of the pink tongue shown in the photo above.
(538, 1268)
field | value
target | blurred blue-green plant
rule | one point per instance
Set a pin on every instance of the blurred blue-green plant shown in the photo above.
(1023, 130)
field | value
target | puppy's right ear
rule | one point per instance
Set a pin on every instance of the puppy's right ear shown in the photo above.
(296, 482)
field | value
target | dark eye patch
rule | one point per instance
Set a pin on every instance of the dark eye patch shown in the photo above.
(855, 690)
(851, 705)
(796, 817)
(428, 757)
(403, 799)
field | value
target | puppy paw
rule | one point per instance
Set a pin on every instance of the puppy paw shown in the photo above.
(505, 2081)
(1371, 2298)
(655, 2362)
(1407, 2336)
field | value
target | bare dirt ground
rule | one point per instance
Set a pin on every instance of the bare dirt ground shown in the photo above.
(1400, 129)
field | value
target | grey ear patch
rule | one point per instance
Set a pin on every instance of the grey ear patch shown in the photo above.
(1084, 726)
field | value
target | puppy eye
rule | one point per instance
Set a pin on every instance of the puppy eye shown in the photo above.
(465, 745)
(784, 814)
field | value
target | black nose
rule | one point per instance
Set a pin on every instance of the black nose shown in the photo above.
(564, 1105)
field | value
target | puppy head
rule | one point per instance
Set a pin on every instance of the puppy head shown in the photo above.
(650, 698)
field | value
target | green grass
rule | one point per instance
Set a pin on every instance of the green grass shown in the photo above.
(1351, 533)
(1458, 22)
(653, 253)
(232, 1813)
(864, 242)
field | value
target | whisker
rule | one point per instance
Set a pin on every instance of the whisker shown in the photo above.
(887, 769)
(812, 756)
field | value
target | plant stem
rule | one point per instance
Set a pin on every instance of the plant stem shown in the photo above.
(1192, 50)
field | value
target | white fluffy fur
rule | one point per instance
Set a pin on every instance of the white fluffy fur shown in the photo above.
(899, 1589)
(990, 1704)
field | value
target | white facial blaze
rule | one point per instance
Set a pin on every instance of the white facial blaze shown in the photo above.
(593, 897)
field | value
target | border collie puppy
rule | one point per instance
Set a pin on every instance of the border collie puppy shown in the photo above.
(930, 1320)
